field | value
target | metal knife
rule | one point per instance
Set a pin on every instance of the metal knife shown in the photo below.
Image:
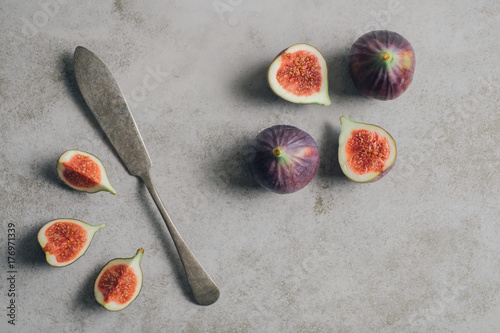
(106, 101)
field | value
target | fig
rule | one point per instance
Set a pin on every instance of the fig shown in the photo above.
(83, 171)
(299, 75)
(382, 64)
(366, 152)
(283, 158)
(119, 282)
(66, 240)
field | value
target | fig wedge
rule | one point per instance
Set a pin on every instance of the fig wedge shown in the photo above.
(83, 171)
(366, 152)
(66, 240)
(299, 75)
(119, 282)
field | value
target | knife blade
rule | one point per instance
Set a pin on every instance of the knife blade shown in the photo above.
(107, 102)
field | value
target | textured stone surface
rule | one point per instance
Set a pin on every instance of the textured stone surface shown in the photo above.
(417, 251)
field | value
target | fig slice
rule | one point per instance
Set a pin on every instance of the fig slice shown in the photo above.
(366, 152)
(83, 171)
(382, 64)
(66, 240)
(119, 282)
(299, 75)
(283, 158)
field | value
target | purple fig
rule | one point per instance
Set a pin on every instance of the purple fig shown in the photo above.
(283, 159)
(382, 64)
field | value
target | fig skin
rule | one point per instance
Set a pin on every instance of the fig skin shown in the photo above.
(382, 64)
(283, 159)
(371, 150)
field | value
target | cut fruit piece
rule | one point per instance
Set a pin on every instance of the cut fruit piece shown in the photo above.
(283, 159)
(382, 64)
(299, 75)
(119, 282)
(83, 172)
(366, 152)
(66, 240)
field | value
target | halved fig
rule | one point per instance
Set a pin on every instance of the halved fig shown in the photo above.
(283, 158)
(382, 64)
(119, 282)
(366, 152)
(299, 75)
(83, 172)
(66, 240)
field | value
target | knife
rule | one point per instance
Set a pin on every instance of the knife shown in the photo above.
(106, 101)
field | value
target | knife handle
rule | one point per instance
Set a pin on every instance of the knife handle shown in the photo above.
(204, 289)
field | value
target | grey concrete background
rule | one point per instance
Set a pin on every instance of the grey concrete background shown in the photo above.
(418, 251)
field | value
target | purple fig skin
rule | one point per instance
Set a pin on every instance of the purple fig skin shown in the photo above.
(283, 159)
(382, 64)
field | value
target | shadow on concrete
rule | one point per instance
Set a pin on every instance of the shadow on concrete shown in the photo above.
(329, 146)
(340, 82)
(29, 252)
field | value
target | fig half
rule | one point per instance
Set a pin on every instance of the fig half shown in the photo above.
(66, 240)
(119, 282)
(382, 64)
(299, 75)
(283, 158)
(83, 171)
(366, 152)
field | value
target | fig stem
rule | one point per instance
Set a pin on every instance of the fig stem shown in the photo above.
(277, 151)
(386, 55)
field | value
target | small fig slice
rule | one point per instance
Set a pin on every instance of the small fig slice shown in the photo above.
(119, 282)
(382, 64)
(299, 75)
(366, 152)
(283, 158)
(66, 240)
(83, 172)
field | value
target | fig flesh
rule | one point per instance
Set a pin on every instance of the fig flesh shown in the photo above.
(382, 64)
(83, 171)
(66, 240)
(119, 282)
(299, 75)
(283, 158)
(366, 152)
